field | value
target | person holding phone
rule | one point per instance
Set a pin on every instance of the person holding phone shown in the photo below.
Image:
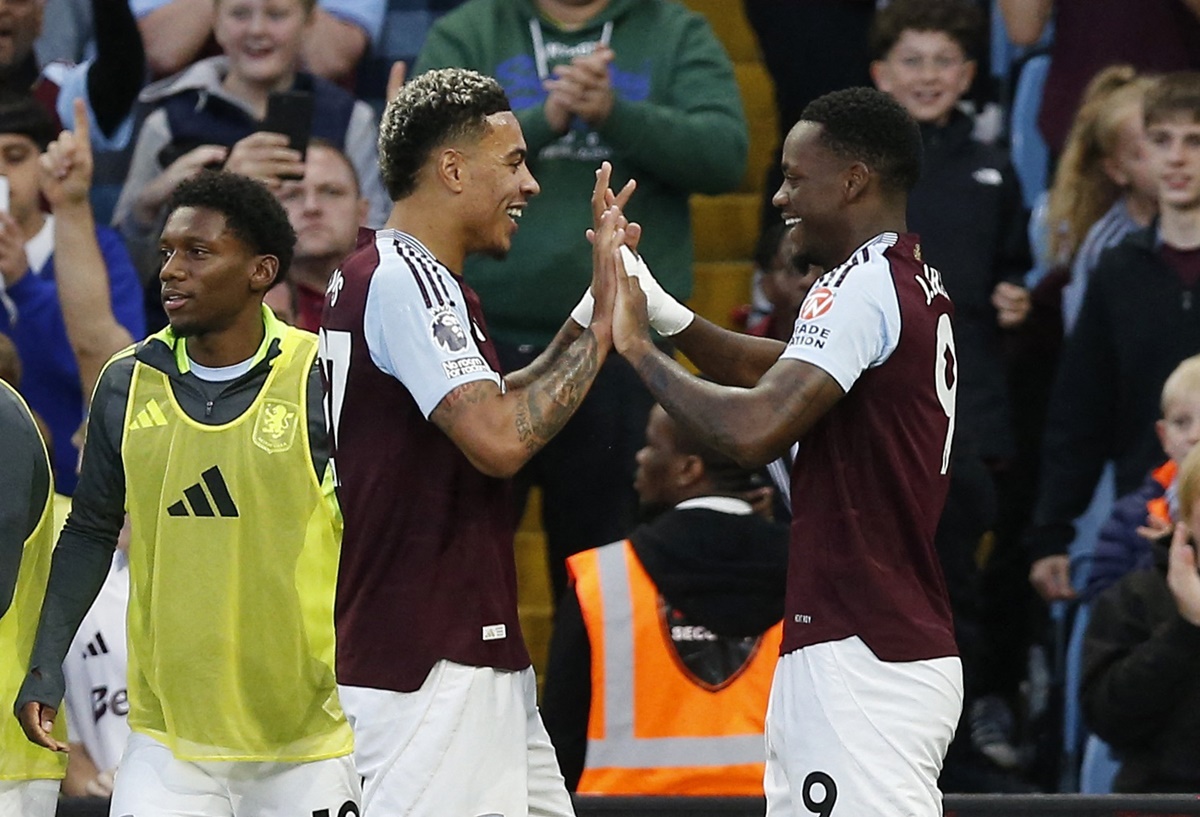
(216, 113)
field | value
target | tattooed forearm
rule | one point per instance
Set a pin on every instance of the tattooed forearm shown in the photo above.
(454, 404)
(550, 401)
(546, 360)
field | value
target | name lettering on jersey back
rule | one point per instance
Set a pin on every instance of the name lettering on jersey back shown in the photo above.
(691, 632)
(800, 618)
(931, 284)
(334, 287)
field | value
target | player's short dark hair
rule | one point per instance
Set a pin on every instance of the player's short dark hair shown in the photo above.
(960, 20)
(868, 126)
(431, 110)
(22, 115)
(252, 213)
(1171, 95)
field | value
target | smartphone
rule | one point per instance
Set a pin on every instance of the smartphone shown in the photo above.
(3, 194)
(291, 113)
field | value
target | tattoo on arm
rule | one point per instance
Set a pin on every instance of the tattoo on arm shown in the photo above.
(546, 360)
(548, 402)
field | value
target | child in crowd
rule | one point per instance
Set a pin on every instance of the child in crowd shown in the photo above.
(1103, 188)
(212, 113)
(1148, 514)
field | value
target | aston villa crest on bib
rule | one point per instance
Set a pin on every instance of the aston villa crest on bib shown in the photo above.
(275, 426)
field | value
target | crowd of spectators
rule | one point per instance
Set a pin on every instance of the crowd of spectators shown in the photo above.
(1068, 321)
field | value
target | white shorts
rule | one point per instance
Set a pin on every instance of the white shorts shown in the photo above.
(848, 734)
(28, 798)
(152, 782)
(468, 743)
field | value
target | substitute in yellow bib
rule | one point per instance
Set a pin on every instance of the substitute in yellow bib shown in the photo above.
(29, 774)
(665, 644)
(211, 434)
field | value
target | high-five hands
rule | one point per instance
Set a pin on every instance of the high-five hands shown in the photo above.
(666, 315)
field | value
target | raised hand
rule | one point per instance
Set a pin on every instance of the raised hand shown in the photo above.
(155, 194)
(66, 166)
(1182, 576)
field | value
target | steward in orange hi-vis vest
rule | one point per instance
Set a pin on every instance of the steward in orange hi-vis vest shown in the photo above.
(659, 724)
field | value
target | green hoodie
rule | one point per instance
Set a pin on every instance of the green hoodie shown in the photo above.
(676, 126)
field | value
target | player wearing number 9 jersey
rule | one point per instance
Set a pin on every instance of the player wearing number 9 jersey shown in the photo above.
(868, 690)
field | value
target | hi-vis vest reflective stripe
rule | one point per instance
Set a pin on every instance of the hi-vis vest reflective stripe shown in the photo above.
(652, 729)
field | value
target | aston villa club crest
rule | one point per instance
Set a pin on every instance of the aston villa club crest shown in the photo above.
(275, 426)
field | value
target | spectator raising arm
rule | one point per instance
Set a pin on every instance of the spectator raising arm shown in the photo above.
(83, 288)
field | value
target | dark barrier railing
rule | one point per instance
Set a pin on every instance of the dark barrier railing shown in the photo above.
(960, 805)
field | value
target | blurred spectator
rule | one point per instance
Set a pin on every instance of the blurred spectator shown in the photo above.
(1150, 35)
(326, 208)
(213, 112)
(181, 32)
(108, 82)
(405, 25)
(29, 774)
(97, 696)
(1140, 318)
(967, 205)
(45, 298)
(780, 284)
(1104, 187)
(1149, 513)
(67, 32)
(646, 85)
(708, 573)
(1142, 659)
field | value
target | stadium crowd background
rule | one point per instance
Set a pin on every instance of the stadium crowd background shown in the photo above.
(1079, 192)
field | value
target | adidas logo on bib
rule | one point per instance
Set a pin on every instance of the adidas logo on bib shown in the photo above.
(196, 502)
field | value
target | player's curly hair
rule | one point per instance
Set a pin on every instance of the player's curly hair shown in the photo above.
(960, 20)
(868, 126)
(252, 213)
(431, 110)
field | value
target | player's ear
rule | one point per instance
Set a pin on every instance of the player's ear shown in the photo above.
(266, 267)
(452, 169)
(855, 180)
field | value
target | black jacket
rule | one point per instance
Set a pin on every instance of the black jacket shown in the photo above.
(725, 572)
(1136, 325)
(1141, 683)
(967, 208)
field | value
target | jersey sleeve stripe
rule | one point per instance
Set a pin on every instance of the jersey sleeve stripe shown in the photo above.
(412, 268)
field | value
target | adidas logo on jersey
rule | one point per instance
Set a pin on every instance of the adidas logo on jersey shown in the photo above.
(151, 416)
(196, 502)
(96, 646)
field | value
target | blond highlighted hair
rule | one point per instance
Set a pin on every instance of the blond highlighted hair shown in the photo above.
(1082, 191)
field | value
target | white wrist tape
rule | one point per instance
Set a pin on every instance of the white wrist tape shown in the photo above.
(582, 313)
(667, 315)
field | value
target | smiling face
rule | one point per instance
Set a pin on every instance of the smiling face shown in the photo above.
(927, 72)
(814, 184)
(20, 25)
(261, 38)
(211, 280)
(1174, 146)
(498, 186)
